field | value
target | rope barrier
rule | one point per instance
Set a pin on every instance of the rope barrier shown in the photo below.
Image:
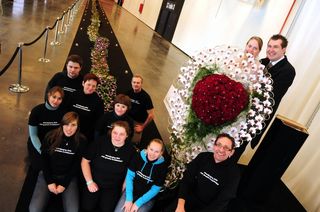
(19, 49)
(10, 61)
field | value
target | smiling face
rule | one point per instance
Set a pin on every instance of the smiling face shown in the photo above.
(73, 69)
(253, 48)
(120, 109)
(70, 129)
(154, 151)
(136, 84)
(55, 99)
(118, 136)
(89, 86)
(275, 50)
(222, 149)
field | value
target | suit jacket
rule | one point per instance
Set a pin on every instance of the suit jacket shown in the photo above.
(282, 74)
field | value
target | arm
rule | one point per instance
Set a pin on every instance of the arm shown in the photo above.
(33, 133)
(180, 205)
(140, 128)
(154, 190)
(129, 185)
(86, 170)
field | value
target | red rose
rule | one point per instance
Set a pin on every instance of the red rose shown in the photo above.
(218, 99)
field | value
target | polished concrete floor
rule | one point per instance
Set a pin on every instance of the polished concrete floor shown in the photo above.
(23, 21)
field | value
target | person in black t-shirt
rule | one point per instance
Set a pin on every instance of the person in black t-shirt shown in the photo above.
(88, 105)
(210, 180)
(61, 153)
(122, 105)
(104, 167)
(71, 79)
(44, 118)
(142, 111)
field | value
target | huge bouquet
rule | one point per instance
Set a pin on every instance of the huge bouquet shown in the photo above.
(221, 89)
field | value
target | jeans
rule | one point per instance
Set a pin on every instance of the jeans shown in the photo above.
(144, 208)
(40, 197)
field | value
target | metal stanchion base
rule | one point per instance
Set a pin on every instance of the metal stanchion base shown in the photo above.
(16, 88)
(44, 60)
(55, 43)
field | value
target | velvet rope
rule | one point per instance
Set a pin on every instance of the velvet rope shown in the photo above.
(35, 40)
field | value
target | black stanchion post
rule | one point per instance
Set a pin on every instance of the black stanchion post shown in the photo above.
(44, 59)
(56, 42)
(62, 24)
(18, 88)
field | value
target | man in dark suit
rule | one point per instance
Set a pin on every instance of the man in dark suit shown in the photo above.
(253, 187)
(282, 74)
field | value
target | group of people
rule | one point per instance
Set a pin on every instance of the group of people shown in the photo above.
(81, 151)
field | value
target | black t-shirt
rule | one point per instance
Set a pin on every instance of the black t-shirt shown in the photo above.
(45, 119)
(208, 185)
(66, 83)
(140, 103)
(64, 163)
(105, 122)
(90, 108)
(108, 163)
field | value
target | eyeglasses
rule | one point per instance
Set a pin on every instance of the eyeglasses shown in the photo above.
(225, 148)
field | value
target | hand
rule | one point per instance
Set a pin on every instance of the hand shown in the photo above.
(138, 128)
(53, 188)
(127, 206)
(134, 208)
(180, 209)
(93, 187)
(60, 189)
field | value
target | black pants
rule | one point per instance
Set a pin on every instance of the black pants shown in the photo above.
(104, 199)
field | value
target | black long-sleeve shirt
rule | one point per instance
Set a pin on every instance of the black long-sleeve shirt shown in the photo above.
(207, 185)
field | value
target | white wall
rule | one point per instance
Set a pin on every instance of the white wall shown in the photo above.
(216, 22)
(150, 11)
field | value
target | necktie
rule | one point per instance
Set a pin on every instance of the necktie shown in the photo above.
(269, 66)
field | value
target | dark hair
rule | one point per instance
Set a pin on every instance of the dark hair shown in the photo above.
(55, 89)
(159, 141)
(55, 137)
(75, 58)
(123, 99)
(122, 124)
(259, 41)
(226, 135)
(90, 76)
(284, 40)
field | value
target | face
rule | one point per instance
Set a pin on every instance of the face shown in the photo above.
(55, 99)
(136, 84)
(120, 109)
(252, 47)
(154, 151)
(222, 149)
(73, 69)
(274, 50)
(118, 136)
(70, 129)
(89, 86)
